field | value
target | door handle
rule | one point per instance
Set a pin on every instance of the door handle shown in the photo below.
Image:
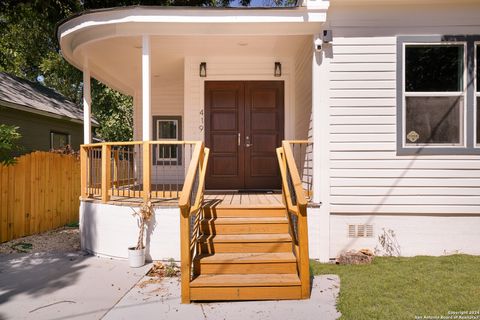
(238, 142)
(247, 142)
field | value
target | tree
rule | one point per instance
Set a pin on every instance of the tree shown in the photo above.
(114, 112)
(29, 49)
(9, 137)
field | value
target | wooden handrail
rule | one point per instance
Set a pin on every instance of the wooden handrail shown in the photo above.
(283, 174)
(201, 181)
(292, 166)
(298, 141)
(185, 201)
(288, 168)
(129, 143)
(198, 164)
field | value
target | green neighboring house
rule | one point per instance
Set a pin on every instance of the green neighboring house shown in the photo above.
(46, 119)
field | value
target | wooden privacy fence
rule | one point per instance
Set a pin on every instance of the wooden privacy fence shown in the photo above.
(39, 193)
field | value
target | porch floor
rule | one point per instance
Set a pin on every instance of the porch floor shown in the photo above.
(219, 199)
(244, 199)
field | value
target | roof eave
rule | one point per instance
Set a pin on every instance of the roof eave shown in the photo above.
(24, 108)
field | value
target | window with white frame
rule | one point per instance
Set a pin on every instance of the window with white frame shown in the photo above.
(435, 95)
(167, 128)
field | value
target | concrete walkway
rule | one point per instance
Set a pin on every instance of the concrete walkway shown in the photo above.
(74, 286)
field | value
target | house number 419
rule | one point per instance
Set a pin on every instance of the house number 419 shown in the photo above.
(200, 127)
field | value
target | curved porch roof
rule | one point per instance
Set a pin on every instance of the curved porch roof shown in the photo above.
(110, 40)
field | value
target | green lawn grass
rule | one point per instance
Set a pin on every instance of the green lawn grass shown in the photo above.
(402, 288)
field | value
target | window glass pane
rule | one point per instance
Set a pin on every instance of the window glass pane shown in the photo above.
(167, 129)
(478, 69)
(59, 140)
(433, 120)
(168, 152)
(434, 68)
(478, 119)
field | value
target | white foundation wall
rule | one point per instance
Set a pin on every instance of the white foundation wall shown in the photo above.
(414, 235)
(108, 230)
(431, 202)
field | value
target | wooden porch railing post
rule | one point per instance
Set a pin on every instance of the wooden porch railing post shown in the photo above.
(83, 172)
(146, 170)
(185, 263)
(106, 174)
(304, 256)
(115, 169)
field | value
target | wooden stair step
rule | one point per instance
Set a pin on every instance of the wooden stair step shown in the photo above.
(245, 280)
(240, 257)
(244, 225)
(251, 206)
(253, 242)
(214, 212)
(246, 220)
(245, 238)
(246, 263)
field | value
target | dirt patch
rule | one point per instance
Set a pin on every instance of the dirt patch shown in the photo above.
(65, 239)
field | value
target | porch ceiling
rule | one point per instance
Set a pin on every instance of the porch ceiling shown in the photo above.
(110, 40)
(117, 61)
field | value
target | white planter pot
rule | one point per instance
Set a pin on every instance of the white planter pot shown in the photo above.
(136, 258)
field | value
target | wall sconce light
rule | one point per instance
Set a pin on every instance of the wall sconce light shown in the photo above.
(203, 69)
(278, 69)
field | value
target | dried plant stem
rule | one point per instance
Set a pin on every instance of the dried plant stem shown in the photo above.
(144, 215)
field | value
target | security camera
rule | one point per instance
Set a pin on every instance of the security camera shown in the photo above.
(318, 43)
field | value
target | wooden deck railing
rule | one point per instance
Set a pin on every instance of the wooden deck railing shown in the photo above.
(303, 154)
(295, 199)
(135, 169)
(191, 208)
(152, 170)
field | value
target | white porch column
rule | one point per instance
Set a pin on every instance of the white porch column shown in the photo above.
(321, 145)
(146, 90)
(87, 106)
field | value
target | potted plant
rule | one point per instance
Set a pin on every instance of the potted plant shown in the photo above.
(136, 255)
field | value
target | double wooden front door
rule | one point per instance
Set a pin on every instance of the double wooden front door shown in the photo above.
(244, 124)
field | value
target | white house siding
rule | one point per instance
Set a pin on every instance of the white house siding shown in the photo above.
(167, 100)
(303, 90)
(432, 203)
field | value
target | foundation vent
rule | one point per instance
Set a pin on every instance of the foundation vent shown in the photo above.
(360, 230)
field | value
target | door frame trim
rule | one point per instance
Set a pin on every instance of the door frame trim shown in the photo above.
(244, 116)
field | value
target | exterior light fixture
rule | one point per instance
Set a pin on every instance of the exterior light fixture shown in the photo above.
(278, 69)
(203, 69)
